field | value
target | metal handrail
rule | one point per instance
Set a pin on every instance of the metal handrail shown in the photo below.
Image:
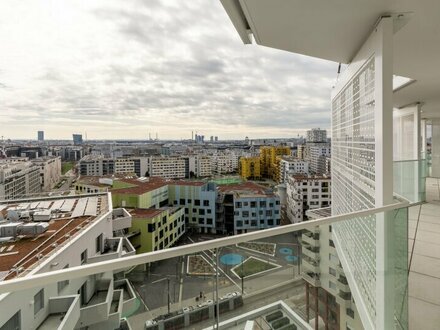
(38, 280)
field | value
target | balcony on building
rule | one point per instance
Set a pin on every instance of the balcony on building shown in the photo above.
(342, 284)
(311, 251)
(121, 219)
(311, 237)
(100, 305)
(114, 248)
(64, 313)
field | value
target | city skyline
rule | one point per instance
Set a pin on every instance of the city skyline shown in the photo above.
(167, 67)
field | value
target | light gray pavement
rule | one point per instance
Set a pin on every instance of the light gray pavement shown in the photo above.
(424, 260)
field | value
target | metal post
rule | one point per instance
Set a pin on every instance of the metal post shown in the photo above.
(216, 285)
(242, 278)
(168, 280)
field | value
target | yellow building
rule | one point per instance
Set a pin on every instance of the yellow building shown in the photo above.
(156, 229)
(249, 168)
(269, 158)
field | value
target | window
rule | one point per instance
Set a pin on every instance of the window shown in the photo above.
(63, 284)
(201, 221)
(245, 204)
(201, 211)
(161, 234)
(245, 214)
(239, 223)
(253, 223)
(270, 204)
(164, 220)
(332, 271)
(238, 205)
(269, 213)
(197, 202)
(98, 244)
(261, 222)
(253, 204)
(208, 211)
(38, 301)
(186, 210)
(205, 203)
(332, 285)
(270, 222)
(350, 313)
(189, 201)
(151, 227)
(263, 204)
(277, 202)
(84, 257)
(182, 201)
(209, 221)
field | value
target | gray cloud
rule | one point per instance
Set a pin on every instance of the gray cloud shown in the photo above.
(177, 63)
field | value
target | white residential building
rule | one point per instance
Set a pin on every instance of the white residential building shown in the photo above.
(316, 135)
(306, 192)
(168, 167)
(292, 165)
(96, 301)
(19, 180)
(317, 154)
(50, 171)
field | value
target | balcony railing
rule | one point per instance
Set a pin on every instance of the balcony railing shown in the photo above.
(207, 282)
(409, 179)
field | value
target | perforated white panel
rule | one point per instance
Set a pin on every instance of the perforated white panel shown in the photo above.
(353, 177)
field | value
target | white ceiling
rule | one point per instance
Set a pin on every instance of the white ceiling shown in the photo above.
(334, 30)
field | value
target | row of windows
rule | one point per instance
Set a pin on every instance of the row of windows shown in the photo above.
(197, 202)
(254, 223)
(246, 214)
(254, 204)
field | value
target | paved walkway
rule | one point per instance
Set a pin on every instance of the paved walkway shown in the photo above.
(424, 260)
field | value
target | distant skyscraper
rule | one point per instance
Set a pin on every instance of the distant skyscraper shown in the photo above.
(211, 139)
(77, 139)
(216, 138)
(41, 136)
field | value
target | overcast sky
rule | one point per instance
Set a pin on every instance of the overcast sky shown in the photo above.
(123, 69)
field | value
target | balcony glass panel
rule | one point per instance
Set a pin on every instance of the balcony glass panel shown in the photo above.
(410, 179)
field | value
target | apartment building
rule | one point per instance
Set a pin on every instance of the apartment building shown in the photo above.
(250, 168)
(50, 171)
(198, 166)
(270, 162)
(224, 163)
(305, 192)
(156, 229)
(45, 235)
(316, 135)
(325, 281)
(317, 155)
(291, 165)
(19, 180)
(199, 202)
(172, 167)
(96, 166)
(247, 207)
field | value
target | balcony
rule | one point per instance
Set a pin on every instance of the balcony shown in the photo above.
(98, 307)
(114, 248)
(129, 296)
(64, 313)
(342, 284)
(121, 219)
(312, 278)
(310, 264)
(238, 274)
(310, 238)
(311, 251)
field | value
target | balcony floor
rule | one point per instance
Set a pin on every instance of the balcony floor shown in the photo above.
(52, 322)
(424, 260)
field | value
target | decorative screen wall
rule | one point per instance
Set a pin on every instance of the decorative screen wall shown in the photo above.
(353, 177)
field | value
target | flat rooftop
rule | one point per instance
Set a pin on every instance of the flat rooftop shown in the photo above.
(246, 188)
(62, 219)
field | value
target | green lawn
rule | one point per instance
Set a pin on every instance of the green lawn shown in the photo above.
(66, 166)
(252, 266)
(120, 185)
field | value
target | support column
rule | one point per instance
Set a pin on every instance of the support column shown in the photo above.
(384, 175)
(307, 303)
(435, 148)
(316, 309)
